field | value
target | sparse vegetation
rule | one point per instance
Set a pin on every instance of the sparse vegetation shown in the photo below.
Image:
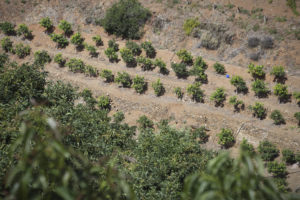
(61, 41)
(180, 70)
(158, 87)
(259, 110)
(150, 50)
(179, 93)
(123, 79)
(267, 150)
(220, 69)
(195, 91)
(126, 19)
(139, 84)
(238, 104)
(239, 83)
(185, 56)
(226, 138)
(218, 97)
(277, 117)
(58, 58)
(22, 50)
(108, 75)
(260, 89)
(292, 4)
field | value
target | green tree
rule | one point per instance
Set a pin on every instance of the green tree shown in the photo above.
(185, 56)
(108, 75)
(145, 123)
(113, 44)
(146, 63)
(297, 97)
(128, 57)
(139, 84)
(66, 27)
(238, 104)
(220, 69)
(267, 150)
(189, 25)
(200, 135)
(24, 31)
(297, 116)
(239, 84)
(98, 40)
(77, 40)
(22, 50)
(104, 102)
(279, 74)
(158, 87)
(226, 138)
(288, 156)
(260, 89)
(60, 40)
(259, 110)
(277, 117)
(7, 28)
(124, 79)
(150, 50)
(41, 58)
(7, 45)
(218, 97)
(257, 72)
(161, 65)
(91, 49)
(134, 48)
(111, 54)
(47, 24)
(91, 71)
(180, 70)
(58, 58)
(76, 65)
(126, 18)
(179, 93)
(281, 91)
(195, 91)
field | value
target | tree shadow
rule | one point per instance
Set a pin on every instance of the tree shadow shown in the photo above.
(286, 99)
(281, 80)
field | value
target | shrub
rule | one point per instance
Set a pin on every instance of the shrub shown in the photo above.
(180, 70)
(125, 18)
(226, 138)
(185, 57)
(76, 65)
(189, 25)
(92, 50)
(279, 73)
(260, 89)
(253, 42)
(218, 97)
(297, 116)
(179, 93)
(41, 58)
(200, 135)
(128, 57)
(277, 117)
(150, 50)
(104, 102)
(98, 40)
(134, 47)
(146, 63)
(257, 72)
(288, 156)
(161, 65)
(246, 147)
(239, 84)
(108, 75)
(66, 27)
(111, 54)
(267, 150)
(7, 28)
(267, 43)
(61, 41)
(219, 68)
(47, 24)
(145, 123)
(278, 170)
(123, 79)
(158, 87)
(297, 97)
(139, 84)
(22, 50)
(7, 45)
(281, 91)
(77, 40)
(58, 58)
(238, 104)
(24, 31)
(259, 110)
(90, 71)
(112, 44)
(195, 91)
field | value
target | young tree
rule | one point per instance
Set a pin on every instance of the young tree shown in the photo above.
(134, 48)
(277, 117)
(61, 41)
(22, 50)
(257, 72)
(47, 24)
(161, 65)
(218, 97)
(112, 44)
(260, 89)
(288, 156)
(150, 50)
(267, 150)
(200, 135)
(108, 75)
(66, 27)
(76, 65)
(239, 84)
(259, 110)
(226, 138)
(58, 58)
(90, 71)
(179, 93)
(180, 70)
(279, 74)
(111, 54)
(199, 62)
(238, 104)
(158, 87)
(77, 40)
(24, 31)
(124, 79)
(92, 50)
(281, 91)
(104, 102)
(7, 28)
(98, 40)
(146, 63)
(195, 91)
(128, 57)
(139, 84)
(145, 123)
(7, 45)
(220, 69)
(41, 58)
(185, 56)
